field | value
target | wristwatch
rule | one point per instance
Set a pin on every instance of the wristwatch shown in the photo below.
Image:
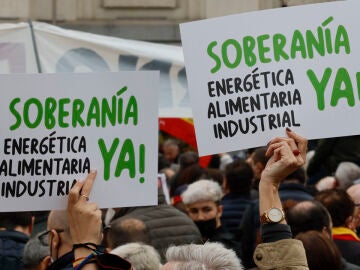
(272, 215)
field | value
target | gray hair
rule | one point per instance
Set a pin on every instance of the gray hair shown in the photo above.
(34, 252)
(346, 173)
(202, 190)
(141, 256)
(210, 256)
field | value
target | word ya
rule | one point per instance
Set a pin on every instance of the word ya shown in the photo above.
(342, 87)
(126, 158)
(266, 48)
(65, 112)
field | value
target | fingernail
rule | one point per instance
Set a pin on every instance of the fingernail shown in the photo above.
(288, 129)
(268, 143)
(296, 152)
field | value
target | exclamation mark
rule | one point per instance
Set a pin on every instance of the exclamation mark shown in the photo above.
(142, 161)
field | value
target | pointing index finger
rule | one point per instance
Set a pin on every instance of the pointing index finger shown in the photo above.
(88, 183)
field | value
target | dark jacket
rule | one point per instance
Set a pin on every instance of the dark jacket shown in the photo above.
(222, 235)
(348, 243)
(349, 266)
(165, 225)
(350, 250)
(234, 207)
(294, 191)
(11, 249)
(108, 261)
(63, 263)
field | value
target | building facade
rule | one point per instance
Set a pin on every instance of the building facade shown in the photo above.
(150, 20)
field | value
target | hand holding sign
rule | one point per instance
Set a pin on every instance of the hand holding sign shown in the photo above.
(84, 217)
(286, 155)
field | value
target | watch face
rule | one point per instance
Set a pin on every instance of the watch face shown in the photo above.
(275, 215)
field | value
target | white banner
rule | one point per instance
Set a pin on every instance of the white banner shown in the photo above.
(57, 127)
(62, 50)
(252, 75)
(16, 49)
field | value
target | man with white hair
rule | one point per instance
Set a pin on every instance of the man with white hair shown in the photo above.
(202, 201)
(140, 255)
(200, 257)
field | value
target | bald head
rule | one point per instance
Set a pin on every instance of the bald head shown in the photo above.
(58, 220)
(126, 230)
(309, 215)
(354, 193)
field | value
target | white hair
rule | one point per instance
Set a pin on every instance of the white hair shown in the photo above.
(202, 190)
(141, 256)
(209, 256)
(346, 173)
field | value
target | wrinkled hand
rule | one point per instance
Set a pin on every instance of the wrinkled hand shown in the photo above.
(84, 217)
(286, 156)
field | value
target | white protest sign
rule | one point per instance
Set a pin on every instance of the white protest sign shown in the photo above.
(57, 127)
(252, 75)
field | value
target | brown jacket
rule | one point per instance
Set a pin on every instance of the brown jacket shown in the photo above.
(281, 255)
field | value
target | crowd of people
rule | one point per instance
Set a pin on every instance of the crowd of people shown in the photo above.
(282, 206)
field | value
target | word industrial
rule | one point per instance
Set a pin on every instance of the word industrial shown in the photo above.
(255, 123)
(276, 48)
(38, 188)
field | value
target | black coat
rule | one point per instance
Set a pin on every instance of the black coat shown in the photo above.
(11, 249)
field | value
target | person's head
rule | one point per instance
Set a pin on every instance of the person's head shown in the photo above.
(346, 173)
(214, 174)
(209, 256)
(18, 221)
(339, 204)
(202, 202)
(354, 193)
(257, 160)
(36, 254)
(163, 163)
(188, 158)
(171, 150)
(297, 176)
(58, 234)
(141, 256)
(238, 177)
(309, 215)
(126, 230)
(321, 252)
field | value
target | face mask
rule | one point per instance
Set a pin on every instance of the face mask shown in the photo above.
(207, 228)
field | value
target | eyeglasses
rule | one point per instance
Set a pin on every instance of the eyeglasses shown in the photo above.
(43, 237)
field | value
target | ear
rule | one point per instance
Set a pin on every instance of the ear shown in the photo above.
(54, 240)
(259, 166)
(220, 210)
(31, 226)
(350, 223)
(225, 185)
(45, 263)
(325, 230)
